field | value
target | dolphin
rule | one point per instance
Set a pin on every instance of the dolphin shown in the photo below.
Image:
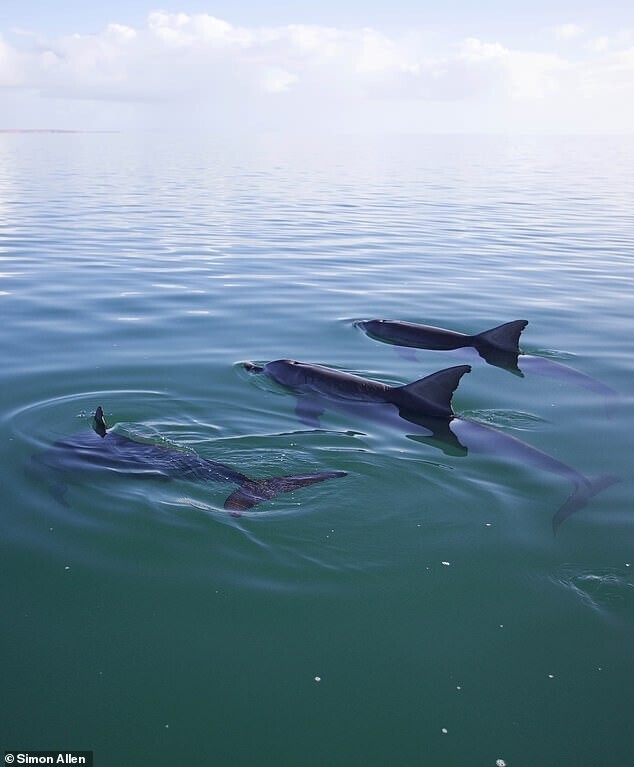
(424, 404)
(498, 346)
(103, 449)
(425, 408)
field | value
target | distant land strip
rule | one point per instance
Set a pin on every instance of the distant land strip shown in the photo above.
(52, 130)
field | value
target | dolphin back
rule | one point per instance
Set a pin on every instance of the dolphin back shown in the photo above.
(254, 491)
(414, 335)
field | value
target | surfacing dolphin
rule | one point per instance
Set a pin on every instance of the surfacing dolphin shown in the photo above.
(498, 346)
(423, 407)
(104, 449)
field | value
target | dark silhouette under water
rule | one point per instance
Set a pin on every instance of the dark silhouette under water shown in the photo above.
(108, 450)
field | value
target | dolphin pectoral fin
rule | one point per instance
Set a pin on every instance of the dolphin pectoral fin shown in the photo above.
(406, 352)
(254, 491)
(581, 495)
(55, 482)
(308, 411)
(58, 490)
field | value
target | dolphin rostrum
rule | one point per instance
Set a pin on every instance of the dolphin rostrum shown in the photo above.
(423, 407)
(498, 346)
(101, 448)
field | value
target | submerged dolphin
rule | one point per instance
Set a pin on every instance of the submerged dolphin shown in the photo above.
(423, 408)
(498, 346)
(115, 452)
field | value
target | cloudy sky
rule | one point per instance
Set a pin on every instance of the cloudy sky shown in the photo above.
(404, 66)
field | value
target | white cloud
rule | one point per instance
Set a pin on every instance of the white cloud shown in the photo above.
(376, 53)
(475, 50)
(599, 44)
(120, 33)
(276, 80)
(617, 69)
(568, 31)
(273, 75)
(11, 66)
(536, 76)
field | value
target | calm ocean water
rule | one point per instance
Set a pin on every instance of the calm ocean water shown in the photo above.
(418, 611)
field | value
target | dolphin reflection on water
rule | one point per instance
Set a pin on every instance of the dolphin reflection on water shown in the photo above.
(102, 449)
(421, 409)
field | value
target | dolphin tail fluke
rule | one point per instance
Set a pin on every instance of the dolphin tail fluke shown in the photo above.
(254, 491)
(583, 492)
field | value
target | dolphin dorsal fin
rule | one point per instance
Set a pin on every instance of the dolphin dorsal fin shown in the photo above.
(100, 422)
(505, 337)
(430, 395)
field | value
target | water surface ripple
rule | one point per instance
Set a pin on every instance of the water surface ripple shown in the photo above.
(420, 609)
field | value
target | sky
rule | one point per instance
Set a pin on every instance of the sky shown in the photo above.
(241, 66)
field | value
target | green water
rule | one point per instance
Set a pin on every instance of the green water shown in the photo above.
(418, 611)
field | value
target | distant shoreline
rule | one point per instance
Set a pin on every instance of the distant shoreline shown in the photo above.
(52, 130)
